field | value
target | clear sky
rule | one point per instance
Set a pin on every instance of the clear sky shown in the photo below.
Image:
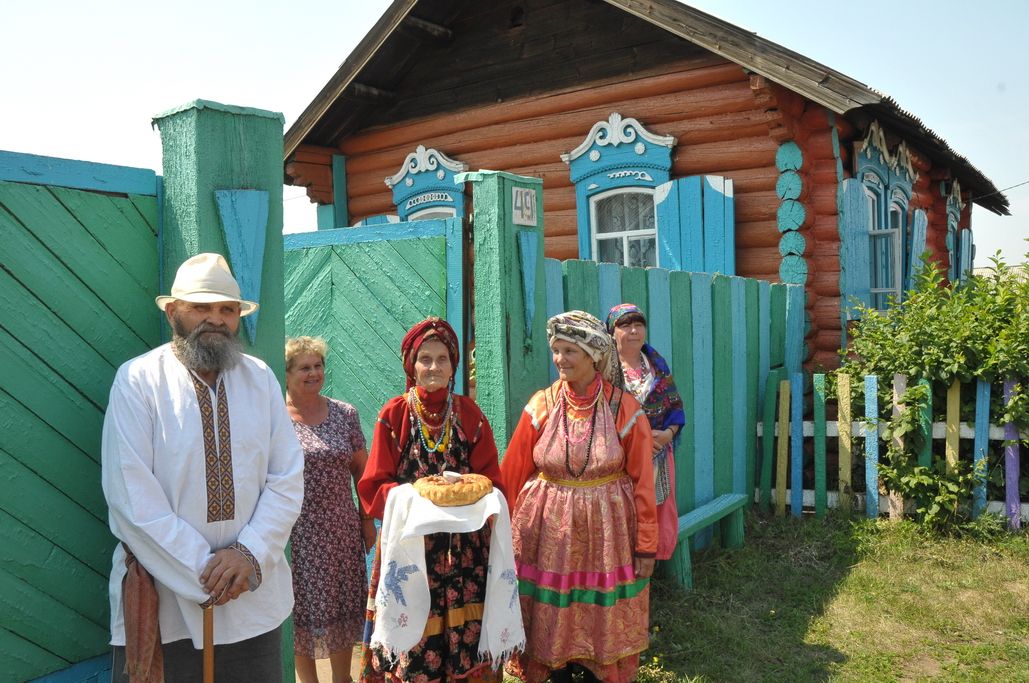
(83, 80)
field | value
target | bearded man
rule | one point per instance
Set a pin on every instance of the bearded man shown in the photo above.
(203, 476)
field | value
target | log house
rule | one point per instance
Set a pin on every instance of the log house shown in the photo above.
(817, 179)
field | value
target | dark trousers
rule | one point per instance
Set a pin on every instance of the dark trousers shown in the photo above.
(257, 660)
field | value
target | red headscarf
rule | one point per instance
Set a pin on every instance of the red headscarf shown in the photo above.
(430, 328)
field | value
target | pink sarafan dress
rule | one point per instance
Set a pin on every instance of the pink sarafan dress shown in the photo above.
(584, 512)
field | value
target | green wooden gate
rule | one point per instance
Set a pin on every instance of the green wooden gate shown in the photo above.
(362, 289)
(78, 276)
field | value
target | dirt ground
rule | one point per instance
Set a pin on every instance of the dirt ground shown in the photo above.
(325, 669)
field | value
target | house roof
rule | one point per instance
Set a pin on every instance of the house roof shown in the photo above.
(338, 108)
(1018, 272)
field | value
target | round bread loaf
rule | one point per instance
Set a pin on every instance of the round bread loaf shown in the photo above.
(451, 489)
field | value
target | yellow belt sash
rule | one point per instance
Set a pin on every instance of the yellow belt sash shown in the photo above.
(583, 483)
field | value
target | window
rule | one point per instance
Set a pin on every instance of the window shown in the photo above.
(954, 209)
(886, 179)
(435, 212)
(624, 227)
(424, 186)
(615, 170)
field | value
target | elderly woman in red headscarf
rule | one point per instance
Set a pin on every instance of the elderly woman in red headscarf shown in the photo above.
(425, 431)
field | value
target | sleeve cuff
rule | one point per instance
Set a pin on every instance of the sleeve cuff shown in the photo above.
(255, 574)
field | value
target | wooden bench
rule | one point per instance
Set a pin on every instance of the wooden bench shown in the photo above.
(726, 511)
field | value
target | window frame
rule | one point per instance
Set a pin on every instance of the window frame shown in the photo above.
(624, 235)
(617, 153)
(886, 179)
(430, 213)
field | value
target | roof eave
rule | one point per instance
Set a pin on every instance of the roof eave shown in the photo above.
(345, 75)
(835, 91)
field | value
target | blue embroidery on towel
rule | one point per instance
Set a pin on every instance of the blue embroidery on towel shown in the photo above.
(394, 576)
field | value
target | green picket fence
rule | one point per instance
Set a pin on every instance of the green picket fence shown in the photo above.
(720, 334)
(783, 447)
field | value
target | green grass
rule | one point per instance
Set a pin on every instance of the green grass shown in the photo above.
(821, 600)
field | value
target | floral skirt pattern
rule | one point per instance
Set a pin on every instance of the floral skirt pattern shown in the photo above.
(581, 600)
(449, 649)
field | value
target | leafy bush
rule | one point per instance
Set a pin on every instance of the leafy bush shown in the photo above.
(940, 493)
(945, 332)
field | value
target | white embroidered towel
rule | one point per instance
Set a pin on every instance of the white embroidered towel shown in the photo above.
(402, 601)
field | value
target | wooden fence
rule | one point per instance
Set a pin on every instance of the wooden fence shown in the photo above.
(721, 335)
(79, 276)
(783, 449)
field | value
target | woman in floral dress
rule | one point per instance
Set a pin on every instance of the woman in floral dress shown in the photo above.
(427, 430)
(330, 539)
(583, 522)
(648, 377)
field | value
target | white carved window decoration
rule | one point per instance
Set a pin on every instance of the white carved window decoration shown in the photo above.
(424, 186)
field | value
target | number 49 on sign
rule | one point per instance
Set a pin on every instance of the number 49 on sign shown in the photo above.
(523, 206)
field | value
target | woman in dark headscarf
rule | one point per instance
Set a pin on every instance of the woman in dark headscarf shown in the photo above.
(583, 522)
(425, 431)
(648, 377)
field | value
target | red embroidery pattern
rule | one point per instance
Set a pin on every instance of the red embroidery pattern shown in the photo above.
(245, 552)
(221, 492)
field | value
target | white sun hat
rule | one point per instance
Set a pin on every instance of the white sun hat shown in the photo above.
(206, 279)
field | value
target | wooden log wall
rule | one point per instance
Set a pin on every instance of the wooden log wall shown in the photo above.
(816, 134)
(725, 122)
(721, 125)
(827, 145)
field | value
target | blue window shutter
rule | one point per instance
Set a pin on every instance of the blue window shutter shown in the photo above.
(965, 254)
(672, 201)
(696, 225)
(855, 256)
(918, 229)
(719, 226)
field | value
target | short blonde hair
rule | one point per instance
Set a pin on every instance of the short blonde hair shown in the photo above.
(298, 346)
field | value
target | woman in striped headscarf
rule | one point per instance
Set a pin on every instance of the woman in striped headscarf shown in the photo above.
(584, 526)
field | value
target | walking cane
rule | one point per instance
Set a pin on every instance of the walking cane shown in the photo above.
(209, 644)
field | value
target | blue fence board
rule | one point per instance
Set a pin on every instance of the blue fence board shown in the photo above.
(659, 312)
(741, 434)
(871, 446)
(703, 393)
(610, 288)
(796, 444)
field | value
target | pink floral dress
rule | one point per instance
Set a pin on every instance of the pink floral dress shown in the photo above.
(329, 579)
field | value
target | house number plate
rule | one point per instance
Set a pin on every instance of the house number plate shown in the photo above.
(523, 206)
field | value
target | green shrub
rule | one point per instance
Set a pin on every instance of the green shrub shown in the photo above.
(944, 332)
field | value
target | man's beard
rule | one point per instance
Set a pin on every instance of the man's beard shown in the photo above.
(206, 352)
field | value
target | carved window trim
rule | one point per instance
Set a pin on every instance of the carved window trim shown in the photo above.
(425, 184)
(618, 154)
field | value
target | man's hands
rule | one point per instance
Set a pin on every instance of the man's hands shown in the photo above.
(226, 576)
